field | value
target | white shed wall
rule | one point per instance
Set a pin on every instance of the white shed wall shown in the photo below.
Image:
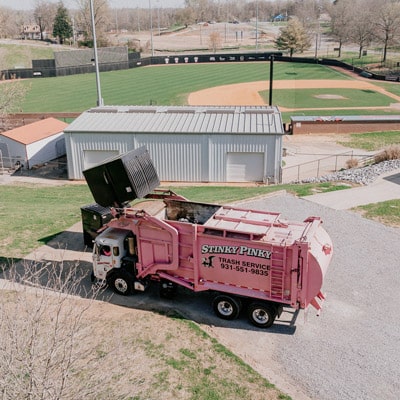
(35, 153)
(16, 150)
(179, 157)
(45, 150)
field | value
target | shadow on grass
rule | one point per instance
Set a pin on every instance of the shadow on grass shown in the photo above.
(66, 240)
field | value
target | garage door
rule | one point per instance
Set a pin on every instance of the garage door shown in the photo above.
(245, 167)
(94, 157)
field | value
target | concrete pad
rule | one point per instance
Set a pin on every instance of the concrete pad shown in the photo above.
(386, 187)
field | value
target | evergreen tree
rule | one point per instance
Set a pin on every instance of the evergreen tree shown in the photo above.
(62, 26)
(293, 37)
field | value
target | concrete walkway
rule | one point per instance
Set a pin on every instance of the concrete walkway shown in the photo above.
(386, 187)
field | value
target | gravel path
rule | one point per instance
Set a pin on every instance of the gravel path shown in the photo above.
(362, 176)
(352, 351)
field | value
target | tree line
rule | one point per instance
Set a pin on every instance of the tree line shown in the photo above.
(359, 22)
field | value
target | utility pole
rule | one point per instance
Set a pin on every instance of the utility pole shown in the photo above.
(100, 102)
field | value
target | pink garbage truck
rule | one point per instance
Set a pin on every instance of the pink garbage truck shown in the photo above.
(248, 259)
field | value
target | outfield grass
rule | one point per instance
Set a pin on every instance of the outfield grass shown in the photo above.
(157, 85)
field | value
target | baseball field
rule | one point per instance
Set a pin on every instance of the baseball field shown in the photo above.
(301, 89)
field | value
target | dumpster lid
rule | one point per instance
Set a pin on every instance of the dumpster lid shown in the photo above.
(118, 180)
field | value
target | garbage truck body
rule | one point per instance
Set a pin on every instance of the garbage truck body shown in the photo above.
(249, 259)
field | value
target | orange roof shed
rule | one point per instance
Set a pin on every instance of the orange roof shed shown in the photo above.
(33, 144)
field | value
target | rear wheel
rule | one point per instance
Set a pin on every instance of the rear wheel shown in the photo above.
(261, 315)
(121, 282)
(227, 307)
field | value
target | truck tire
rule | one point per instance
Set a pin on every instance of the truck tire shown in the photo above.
(121, 282)
(226, 307)
(261, 315)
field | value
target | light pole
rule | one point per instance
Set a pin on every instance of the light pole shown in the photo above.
(151, 30)
(257, 25)
(100, 102)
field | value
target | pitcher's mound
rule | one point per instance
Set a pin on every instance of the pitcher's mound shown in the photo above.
(330, 97)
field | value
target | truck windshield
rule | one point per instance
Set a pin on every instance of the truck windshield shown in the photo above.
(106, 250)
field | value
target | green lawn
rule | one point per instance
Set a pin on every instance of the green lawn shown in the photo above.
(372, 141)
(387, 212)
(32, 215)
(21, 56)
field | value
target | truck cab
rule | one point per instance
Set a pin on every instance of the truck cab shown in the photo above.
(108, 251)
(114, 261)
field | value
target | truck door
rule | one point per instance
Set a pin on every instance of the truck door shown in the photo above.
(104, 259)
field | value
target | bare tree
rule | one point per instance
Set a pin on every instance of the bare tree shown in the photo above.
(41, 326)
(387, 23)
(362, 21)
(11, 22)
(12, 94)
(308, 13)
(214, 41)
(341, 17)
(101, 13)
(44, 15)
(201, 9)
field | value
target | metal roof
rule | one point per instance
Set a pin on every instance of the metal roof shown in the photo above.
(174, 119)
(36, 131)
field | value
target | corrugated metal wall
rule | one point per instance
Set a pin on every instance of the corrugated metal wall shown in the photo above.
(77, 144)
(220, 145)
(177, 157)
(187, 158)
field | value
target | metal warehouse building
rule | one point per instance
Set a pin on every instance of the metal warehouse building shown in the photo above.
(187, 144)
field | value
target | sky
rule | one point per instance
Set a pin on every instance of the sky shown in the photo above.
(30, 4)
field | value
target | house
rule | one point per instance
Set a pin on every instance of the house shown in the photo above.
(33, 144)
(186, 144)
(32, 32)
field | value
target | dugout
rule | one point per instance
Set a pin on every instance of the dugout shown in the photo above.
(344, 124)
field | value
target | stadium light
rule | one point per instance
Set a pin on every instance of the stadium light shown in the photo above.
(96, 59)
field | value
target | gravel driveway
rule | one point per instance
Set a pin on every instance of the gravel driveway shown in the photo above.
(352, 351)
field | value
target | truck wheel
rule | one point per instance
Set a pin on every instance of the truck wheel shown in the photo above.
(121, 282)
(226, 307)
(261, 315)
